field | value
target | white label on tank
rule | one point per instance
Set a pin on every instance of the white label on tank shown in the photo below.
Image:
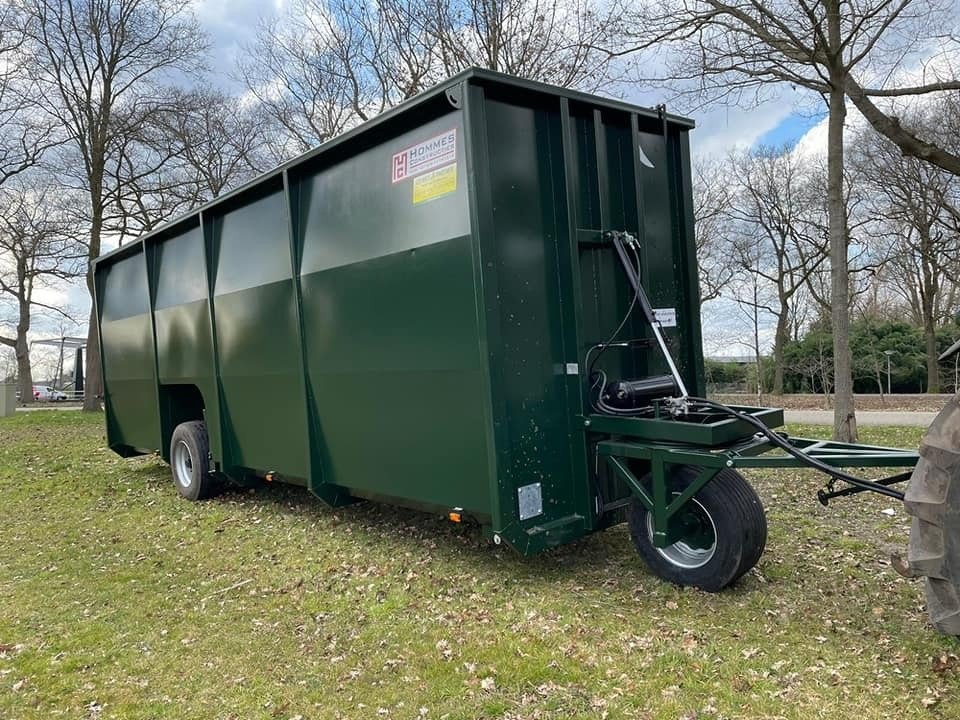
(530, 501)
(573, 369)
(667, 317)
(427, 155)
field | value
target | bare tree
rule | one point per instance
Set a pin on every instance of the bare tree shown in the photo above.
(25, 133)
(326, 65)
(100, 66)
(8, 365)
(36, 250)
(711, 199)
(751, 293)
(217, 143)
(147, 186)
(734, 52)
(774, 196)
(197, 146)
(554, 42)
(303, 69)
(910, 199)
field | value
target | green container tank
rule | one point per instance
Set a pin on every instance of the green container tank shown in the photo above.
(419, 311)
(402, 314)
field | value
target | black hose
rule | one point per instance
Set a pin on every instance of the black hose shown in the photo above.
(599, 406)
(799, 454)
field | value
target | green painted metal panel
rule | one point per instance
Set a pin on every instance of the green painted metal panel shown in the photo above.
(184, 345)
(529, 232)
(126, 337)
(264, 417)
(390, 321)
(395, 376)
(181, 314)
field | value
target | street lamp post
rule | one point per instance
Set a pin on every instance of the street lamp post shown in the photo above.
(888, 353)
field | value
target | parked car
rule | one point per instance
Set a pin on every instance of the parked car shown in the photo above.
(45, 392)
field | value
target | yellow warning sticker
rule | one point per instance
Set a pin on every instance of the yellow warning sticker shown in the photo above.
(434, 184)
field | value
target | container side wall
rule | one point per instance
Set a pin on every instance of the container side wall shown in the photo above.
(126, 339)
(257, 338)
(390, 321)
(182, 320)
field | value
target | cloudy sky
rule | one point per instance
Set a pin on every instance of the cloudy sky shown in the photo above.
(232, 24)
(783, 120)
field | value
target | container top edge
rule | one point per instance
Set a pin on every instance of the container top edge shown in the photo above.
(481, 75)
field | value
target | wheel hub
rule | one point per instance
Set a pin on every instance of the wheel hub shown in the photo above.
(182, 464)
(698, 541)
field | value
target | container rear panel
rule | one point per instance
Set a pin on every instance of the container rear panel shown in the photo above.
(628, 174)
(126, 339)
(560, 173)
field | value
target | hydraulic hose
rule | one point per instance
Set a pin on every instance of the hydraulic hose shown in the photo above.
(625, 243)
(809, 460)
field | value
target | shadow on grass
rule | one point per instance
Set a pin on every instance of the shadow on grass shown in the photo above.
(457, 543)
(592, 559)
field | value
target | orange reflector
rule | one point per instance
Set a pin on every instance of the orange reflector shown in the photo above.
(455, 517)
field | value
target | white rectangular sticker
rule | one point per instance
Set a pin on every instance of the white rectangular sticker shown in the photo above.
(427, 155)
(667, 317)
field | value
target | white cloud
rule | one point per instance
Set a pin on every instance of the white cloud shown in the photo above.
(725, 129)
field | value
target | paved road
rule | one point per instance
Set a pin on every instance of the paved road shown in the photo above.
(864, 417)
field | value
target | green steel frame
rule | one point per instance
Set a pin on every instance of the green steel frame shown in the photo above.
(752, 451)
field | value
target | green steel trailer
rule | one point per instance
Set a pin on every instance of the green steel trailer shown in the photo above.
(483, 303)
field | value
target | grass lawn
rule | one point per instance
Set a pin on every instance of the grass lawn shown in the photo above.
(120, 600)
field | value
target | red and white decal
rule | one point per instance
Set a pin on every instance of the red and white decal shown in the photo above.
(424, 156)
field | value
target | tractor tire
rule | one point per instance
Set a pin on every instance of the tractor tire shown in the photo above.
(728, 532)
(189, 461)
(933, 499)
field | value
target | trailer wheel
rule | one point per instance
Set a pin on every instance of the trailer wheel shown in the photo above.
(189, 450)
(933, 499)
(725, 531)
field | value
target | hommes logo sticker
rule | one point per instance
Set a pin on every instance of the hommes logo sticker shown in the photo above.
(425, 156)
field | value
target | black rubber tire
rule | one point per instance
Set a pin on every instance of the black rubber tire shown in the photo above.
(933, 499)
(740, 529)
(193, 481)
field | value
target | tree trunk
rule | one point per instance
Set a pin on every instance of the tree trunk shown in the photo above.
(780, 341)
(933, 367)
(844, 417)
(93, 378)
(24, 372)
(756, 341)
(22, 350)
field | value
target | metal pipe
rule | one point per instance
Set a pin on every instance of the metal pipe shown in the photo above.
(825, 496)
(618, 243)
